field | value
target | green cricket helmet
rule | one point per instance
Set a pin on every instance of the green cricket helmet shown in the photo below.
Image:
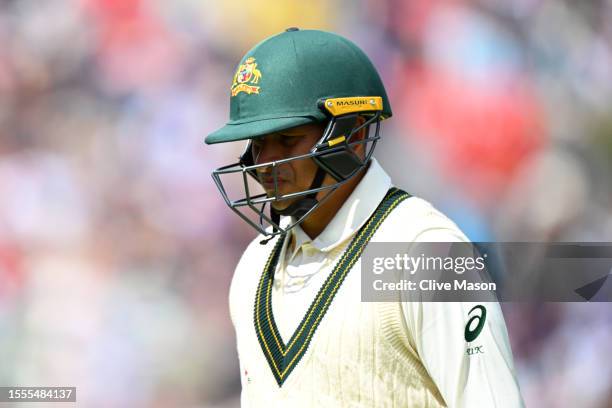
(296, 78)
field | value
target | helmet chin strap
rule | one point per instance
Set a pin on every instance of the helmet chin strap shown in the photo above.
(300, 207)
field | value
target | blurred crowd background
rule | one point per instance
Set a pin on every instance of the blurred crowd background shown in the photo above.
(116, 250)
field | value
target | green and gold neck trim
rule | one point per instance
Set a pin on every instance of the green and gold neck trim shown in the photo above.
(282, 357)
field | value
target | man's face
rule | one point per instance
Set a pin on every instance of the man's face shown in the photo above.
(294, 176)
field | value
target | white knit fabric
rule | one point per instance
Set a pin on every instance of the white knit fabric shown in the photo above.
(402, 354)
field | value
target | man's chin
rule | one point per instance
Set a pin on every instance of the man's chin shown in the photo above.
(282, 205)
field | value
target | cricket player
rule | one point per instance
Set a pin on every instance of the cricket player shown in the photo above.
(310, 104)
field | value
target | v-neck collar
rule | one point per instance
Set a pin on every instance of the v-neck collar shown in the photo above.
(282, 357)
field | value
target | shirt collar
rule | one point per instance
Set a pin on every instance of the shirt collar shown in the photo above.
(355, 211)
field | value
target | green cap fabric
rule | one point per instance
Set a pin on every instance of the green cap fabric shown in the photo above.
(279, 83)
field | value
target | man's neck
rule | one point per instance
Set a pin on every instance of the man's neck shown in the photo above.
(316, 222)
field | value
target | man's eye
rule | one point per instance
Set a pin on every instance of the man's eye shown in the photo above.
(289, 141)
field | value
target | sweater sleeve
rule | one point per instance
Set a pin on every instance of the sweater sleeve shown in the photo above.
(474, 373)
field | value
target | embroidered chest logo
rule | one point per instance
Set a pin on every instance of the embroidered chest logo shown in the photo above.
(246, 76)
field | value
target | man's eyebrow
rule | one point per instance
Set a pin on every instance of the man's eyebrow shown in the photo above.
(290, 134)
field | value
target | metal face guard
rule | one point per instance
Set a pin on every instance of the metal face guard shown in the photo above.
(333, 153)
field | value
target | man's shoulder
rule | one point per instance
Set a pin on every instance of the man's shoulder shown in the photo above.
(416, 216)
(417, 208)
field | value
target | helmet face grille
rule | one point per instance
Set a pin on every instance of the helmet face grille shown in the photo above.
(338, 160)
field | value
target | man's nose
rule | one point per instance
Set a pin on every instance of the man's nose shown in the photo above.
(267, 151)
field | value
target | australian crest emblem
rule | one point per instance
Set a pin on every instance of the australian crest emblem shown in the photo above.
(247, 75)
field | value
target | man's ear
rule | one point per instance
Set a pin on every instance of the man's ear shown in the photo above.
(362, 133)
(360, 148)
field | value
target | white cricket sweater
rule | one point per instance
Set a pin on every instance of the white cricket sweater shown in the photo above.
(393, 354)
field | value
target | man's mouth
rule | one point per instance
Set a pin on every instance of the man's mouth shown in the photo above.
(268, 182)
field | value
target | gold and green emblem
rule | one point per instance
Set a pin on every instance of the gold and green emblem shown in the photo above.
(247, 75)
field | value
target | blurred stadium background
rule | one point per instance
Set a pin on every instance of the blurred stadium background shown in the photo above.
(116, 251)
